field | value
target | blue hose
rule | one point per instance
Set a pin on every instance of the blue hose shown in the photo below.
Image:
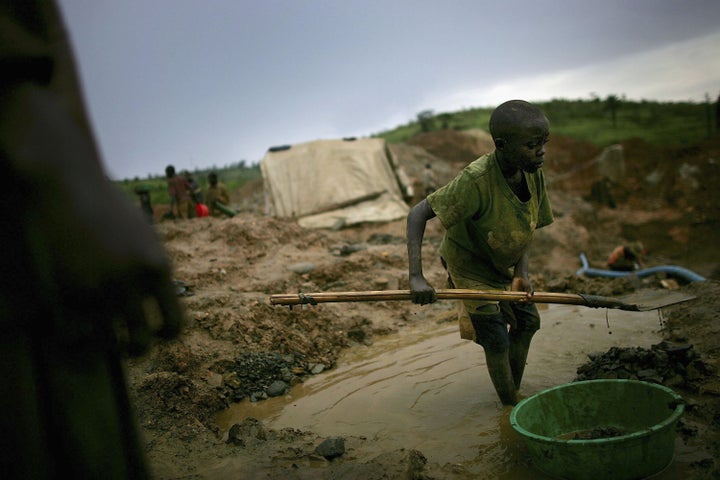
(688, 275)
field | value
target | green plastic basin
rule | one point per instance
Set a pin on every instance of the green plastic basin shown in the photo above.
(600, 429)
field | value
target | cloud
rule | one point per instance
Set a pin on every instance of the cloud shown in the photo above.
(685, 71)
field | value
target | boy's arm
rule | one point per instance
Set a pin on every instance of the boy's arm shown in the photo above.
(422, 291)
(616, 254)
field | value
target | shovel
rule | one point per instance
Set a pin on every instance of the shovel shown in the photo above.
(637, 302)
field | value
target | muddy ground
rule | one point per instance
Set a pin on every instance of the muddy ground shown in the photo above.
(238, 347)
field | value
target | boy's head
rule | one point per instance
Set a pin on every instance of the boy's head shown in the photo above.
(212, 177)
(514, 115)
(520, 130)
(170, 171)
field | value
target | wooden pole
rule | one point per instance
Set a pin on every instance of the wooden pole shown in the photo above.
(450, 294)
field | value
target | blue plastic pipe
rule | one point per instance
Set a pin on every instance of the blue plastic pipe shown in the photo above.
(588, 271)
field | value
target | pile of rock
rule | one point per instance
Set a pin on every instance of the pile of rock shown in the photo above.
(259, 375)
(665, 363)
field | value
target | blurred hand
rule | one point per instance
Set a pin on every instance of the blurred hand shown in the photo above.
(94, 256)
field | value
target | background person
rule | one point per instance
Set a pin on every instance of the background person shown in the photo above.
(179, 190)
(216, 193)
(196, 193)
(627, 258)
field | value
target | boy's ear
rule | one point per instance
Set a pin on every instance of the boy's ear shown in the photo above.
(500, 143)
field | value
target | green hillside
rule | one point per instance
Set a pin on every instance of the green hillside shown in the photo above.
(600, 121)
(591, 120)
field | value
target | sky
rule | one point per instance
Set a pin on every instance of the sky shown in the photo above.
(203, 83)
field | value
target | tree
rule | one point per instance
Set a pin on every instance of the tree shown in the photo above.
(612, 103)
(445, 119)
(425, 119)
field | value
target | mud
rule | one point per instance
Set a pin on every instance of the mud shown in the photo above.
(237, 347)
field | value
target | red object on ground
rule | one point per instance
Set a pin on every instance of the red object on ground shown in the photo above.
(202, 210)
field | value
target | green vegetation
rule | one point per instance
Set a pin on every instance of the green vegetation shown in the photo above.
(602, 122)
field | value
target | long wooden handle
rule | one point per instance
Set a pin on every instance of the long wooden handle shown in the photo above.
(450, 294)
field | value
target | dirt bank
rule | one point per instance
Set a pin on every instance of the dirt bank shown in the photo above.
(237, 347)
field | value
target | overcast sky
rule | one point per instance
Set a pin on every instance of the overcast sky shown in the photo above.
(196, 83)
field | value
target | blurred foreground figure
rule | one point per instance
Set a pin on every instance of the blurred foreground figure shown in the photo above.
(84, 278)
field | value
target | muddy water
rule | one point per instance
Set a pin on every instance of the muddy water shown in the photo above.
(427, 389)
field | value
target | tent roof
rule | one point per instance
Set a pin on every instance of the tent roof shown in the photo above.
(324, 182)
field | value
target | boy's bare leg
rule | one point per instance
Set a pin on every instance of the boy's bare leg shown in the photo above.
(492, 335)
(518, 353)
(526, 321)
(498, 365)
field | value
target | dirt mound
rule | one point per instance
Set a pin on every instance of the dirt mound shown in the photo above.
(249, 198)
(458, 148)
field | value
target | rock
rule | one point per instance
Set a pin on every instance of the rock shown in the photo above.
(257, 396)
(301, 268)
(215, 380)
(416, 464)
(317, 368)
(385, 239)
(346, 249)
(248, 431)
(330, 448)
(277, 388)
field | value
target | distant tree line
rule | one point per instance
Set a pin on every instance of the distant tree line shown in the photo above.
(602, 121)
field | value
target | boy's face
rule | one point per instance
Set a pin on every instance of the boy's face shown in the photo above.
(524, 148)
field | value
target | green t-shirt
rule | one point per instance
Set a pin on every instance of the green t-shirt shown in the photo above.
(487, 227)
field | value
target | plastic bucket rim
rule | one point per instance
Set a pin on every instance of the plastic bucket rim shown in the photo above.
(671, 419)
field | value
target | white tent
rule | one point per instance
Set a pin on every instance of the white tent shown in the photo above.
(326, 183)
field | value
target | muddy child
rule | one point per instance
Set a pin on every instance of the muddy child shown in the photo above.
(179, 189)
(490, 212)
(216, 194)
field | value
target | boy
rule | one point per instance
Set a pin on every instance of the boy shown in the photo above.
(217, 195)
(490, 211)
(179, 189)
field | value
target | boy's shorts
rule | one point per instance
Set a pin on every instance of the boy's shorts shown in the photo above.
(491, 331)
(465, 307)
(519, 315)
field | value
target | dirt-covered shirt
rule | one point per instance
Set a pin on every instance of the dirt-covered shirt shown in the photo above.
(217, 193)
(179, 188)
(487, 226)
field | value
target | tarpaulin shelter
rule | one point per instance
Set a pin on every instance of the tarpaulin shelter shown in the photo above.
(326, 183)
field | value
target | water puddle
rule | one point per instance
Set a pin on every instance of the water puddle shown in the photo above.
(426, 389)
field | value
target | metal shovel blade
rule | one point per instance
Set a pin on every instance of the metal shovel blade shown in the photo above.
(648, 299)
